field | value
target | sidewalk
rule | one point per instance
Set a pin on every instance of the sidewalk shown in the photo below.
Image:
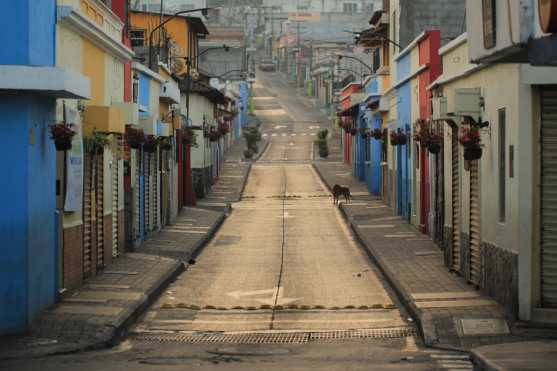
(450, 312)
(232, 180)
(106, 305)
(96, 315)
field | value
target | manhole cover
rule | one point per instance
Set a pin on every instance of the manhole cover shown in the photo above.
(278, 337)
(228, 240)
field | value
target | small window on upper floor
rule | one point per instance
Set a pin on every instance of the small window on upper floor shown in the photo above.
(349, 7)
(137, 37)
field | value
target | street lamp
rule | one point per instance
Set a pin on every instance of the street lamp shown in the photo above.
(203, 11)
(341, 56)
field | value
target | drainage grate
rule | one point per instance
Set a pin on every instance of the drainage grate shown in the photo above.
(277, 337)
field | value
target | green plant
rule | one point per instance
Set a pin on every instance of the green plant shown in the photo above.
(96, 142)
(322, 134)
(252, 135)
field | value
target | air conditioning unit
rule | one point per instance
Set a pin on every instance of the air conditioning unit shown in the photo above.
(439, 106)
(468, 102)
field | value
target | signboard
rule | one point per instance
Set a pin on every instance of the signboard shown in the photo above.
(489, 23)
(74, 165)
(304, 17)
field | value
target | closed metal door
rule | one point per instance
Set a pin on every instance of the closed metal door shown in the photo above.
(475, 258)
(549, 197)
(455, 180)
(99, 195)
(88, 212)
(115, 173)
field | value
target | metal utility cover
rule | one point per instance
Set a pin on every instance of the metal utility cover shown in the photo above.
(483, 326)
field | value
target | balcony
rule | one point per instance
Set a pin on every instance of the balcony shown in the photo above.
(174, 120)
(130, 112)
(105, 119)
(170, 93)
(164, 129)
(149, 124)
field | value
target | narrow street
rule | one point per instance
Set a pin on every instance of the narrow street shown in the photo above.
(283, 246)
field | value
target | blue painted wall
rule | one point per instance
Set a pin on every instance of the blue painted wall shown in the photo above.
(244, 99)
(144, 94)
(28, 30)
(360, 164)
(404, 107)
(27, 196)
(28, 158)
(376, 150)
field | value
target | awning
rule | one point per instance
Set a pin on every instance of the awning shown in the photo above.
(350, 111)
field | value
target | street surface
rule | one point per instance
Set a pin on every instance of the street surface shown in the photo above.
(283, 246)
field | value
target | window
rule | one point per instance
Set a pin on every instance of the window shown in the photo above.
(349, 7)
(137, 37)
(368, 7)
(376, 59)
(502, 164)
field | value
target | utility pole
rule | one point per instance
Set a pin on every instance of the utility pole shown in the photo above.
(298, 47)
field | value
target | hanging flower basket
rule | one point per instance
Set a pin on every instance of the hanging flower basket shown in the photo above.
(346, 127)
(377, 134)
(353, 131)
(151, 144)
(135, 137)
(214, 135)
(364, 133)
(398, 138)
(189, 137)
(62, 134)
(473, 152)
(471, 141)
(166, 144)
(434, 148)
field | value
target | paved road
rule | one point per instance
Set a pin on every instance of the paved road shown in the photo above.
(284, 246)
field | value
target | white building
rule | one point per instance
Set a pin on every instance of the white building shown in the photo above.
(325, 6)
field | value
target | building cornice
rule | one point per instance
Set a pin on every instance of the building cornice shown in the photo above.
(85, 27)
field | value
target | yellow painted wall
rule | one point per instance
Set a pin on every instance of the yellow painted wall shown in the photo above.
(94, 68)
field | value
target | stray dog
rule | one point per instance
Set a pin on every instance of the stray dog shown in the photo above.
(341, 191)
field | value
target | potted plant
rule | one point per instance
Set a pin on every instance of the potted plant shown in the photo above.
(150, 144)
(96, 142)
(353, 131)
(135, 137)
(471, 141)
(377, 134)
(62, 134)
(394, 138)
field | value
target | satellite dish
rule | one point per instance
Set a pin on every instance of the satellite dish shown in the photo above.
(215, 83)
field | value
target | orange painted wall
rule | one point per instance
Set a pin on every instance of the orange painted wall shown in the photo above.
(177, 28)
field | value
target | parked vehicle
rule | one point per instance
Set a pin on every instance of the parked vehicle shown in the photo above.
(267, 65)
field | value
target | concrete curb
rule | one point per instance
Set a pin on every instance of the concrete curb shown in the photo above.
(113, 333)
(481, 363)
(207, 237)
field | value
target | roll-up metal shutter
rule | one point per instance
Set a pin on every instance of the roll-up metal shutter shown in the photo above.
(88, 212)
(137, 195)
(455, 186)
(549, 197)
(99, 195)
(147, 198)
(116, 148)
(475, 258)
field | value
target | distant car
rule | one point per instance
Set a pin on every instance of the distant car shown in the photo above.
(267, 65)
